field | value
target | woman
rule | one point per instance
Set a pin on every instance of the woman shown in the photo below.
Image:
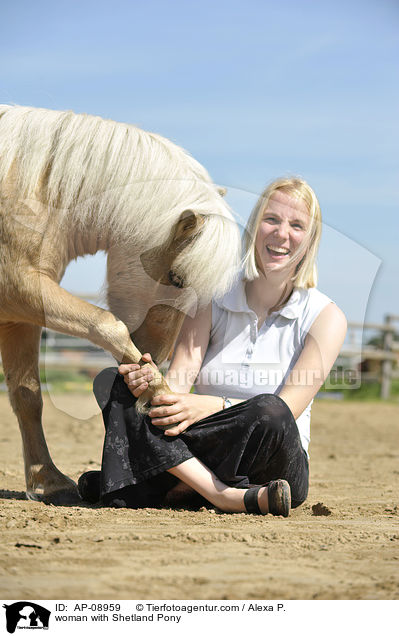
(258, 357)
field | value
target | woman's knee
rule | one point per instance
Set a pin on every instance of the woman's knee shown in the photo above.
(270, 404)
(270, 413)
(103, 384)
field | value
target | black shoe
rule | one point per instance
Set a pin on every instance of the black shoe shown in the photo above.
(140, 496)
(89, 486)
(279, 498)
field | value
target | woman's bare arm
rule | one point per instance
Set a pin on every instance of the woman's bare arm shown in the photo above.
(322, 346)
(189, 351)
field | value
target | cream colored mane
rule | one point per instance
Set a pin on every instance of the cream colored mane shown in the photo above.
(124, 181)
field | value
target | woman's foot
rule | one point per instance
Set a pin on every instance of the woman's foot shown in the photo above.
(148, 494)
(274, 498)
(89, 486)
(135, 496)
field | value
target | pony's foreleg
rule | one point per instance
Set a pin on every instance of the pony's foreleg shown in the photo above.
(20, 353)
(74, 316)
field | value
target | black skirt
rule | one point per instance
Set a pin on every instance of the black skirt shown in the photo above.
(252, 442)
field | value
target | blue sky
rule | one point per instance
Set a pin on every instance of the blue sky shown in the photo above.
(253, 90)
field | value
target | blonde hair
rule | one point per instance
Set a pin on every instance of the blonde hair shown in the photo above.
(305, 272)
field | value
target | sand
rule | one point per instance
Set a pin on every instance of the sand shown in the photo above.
(349, 549)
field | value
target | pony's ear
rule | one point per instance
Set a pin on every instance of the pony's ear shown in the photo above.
(187, 226)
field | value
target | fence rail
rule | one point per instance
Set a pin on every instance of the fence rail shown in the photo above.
(386, 352)
(60, 351)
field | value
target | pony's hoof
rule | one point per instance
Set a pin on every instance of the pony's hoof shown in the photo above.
(65, 497)
(143, 406)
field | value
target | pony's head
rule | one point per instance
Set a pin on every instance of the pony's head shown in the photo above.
(152, 290)
(204, 250)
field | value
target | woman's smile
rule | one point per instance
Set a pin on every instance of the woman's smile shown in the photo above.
(277, 252)
(281, 230)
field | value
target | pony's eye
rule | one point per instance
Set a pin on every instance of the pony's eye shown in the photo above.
(175, 279)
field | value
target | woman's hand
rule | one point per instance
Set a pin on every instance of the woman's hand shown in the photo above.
(182, 410)
(138, 377)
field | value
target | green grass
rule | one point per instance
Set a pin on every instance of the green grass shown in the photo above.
(63, 380)
(368, 391)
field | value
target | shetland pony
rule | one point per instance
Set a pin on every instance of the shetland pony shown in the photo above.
(72, 185)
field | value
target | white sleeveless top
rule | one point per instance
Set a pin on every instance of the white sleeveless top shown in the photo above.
(242, 361)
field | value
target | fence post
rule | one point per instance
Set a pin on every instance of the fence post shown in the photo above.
(387, 364)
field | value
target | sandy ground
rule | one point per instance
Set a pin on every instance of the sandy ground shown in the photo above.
(87, 552)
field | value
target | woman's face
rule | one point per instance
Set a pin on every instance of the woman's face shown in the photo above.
(281, 231)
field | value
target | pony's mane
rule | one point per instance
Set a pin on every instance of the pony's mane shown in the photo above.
(119, 181)
(80, 164)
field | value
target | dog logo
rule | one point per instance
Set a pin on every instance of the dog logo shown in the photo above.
(26, 615)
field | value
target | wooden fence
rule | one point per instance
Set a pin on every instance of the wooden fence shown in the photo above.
(59, 351)
(387, 354)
